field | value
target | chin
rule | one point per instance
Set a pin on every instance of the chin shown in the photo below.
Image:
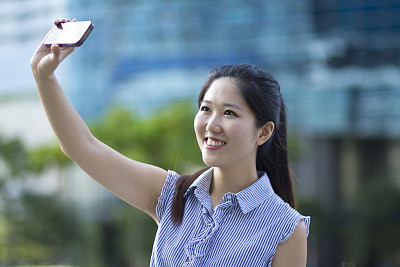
(211, 162)
(216, 163)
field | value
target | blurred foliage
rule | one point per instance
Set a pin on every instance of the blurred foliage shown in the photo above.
(13, 159)
(38, 229)
(375, 221)
(33, 228)
(365, 231)
(42, 157)
(165, 139)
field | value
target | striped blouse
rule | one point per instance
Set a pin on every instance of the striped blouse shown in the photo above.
(243, 230)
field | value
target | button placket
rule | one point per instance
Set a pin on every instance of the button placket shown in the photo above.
(228, 202)
(199, 246)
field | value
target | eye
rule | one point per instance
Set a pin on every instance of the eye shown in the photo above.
(204, 108)
(229, 113)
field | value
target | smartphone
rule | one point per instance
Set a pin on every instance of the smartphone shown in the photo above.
(71, 33)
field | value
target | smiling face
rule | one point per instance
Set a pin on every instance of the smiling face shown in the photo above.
(225, 127)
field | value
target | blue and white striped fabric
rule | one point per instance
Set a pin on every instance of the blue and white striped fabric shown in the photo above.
(244, 229)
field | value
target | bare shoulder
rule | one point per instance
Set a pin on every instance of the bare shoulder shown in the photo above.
(293, 252)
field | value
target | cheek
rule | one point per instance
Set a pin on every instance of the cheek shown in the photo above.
(245, 134)
(198, 127)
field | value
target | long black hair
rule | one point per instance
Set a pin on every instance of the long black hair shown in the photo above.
(262, 94)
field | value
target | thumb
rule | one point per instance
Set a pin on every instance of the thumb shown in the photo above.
(60, 53)
(55, 49)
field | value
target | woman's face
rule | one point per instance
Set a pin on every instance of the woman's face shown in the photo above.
(225, 127)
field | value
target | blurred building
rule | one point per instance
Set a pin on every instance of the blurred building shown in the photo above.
(143, 54)
(23, 24)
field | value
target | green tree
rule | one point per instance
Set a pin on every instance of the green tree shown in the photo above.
(34, 228)
(165, 139)
(374, 224)
(366, 231)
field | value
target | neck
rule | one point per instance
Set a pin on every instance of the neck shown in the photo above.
(233, 181)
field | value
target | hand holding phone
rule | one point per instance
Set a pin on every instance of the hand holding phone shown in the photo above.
(45, 61)
(69, 33)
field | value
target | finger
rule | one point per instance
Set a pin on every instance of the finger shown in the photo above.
(65, 52)
(55, 49)
(58, 21)
(73, 20)
(70, 50)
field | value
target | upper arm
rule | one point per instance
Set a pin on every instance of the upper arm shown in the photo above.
(137, 183)
(293, 252)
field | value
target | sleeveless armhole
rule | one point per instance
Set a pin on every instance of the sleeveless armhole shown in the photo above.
(291, 225)
(167, 193)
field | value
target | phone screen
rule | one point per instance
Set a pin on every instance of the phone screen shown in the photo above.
(72, 33)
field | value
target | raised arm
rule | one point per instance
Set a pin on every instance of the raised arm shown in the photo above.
(136, 183)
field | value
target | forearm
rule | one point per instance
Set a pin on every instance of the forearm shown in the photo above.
(71, 131)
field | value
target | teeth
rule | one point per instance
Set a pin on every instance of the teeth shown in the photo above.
(214, 143)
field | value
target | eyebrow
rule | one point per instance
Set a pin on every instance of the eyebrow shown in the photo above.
(225, 104)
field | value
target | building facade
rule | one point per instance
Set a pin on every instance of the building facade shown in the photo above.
(23, 25)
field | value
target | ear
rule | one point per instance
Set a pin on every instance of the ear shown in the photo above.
(265, 133)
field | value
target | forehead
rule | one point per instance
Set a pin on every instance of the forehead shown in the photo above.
(224, 90)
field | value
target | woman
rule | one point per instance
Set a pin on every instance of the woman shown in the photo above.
(240, 211)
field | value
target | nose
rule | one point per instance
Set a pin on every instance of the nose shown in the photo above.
(213, 124)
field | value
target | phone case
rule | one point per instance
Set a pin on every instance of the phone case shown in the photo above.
(72, 33)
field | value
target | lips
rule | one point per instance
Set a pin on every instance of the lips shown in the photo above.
(214, 143)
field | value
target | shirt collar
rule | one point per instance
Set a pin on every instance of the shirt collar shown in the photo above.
(248, 199)
(252, 196)
(202, 182)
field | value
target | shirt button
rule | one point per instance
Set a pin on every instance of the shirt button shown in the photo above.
(228, 197)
